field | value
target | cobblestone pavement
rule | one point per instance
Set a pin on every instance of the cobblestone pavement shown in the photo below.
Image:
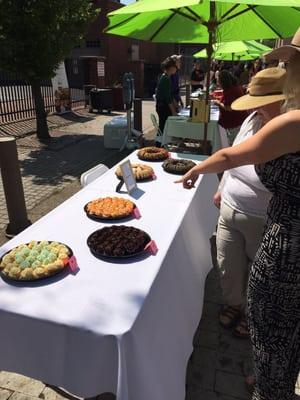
(219, 362)
(48, 171)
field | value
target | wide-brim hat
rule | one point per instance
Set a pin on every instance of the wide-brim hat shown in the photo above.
(286, 52)
(266, 87)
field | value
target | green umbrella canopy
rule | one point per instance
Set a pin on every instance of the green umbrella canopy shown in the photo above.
(234, 51)
(186, 21)
(206, 21)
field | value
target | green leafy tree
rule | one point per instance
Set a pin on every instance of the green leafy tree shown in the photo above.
(35, 36)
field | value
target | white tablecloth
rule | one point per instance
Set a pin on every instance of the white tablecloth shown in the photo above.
(180, 127)
(184, 112)
(125, 328)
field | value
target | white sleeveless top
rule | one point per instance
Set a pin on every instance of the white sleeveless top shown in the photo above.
(242, 189)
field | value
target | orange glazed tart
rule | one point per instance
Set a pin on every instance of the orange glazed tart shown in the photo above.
(110, 208)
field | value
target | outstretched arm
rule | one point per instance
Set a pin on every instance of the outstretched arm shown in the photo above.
(280, 136)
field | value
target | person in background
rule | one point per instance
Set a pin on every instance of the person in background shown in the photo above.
(213, 85)
(238, 70)
(274, 282)
(217, 72)
(247, 74)
(211, 75)
(257, 66)
(272, 63)
(175, 83)
(197, 76)
(164, 99)
(229, 119)
(243, 202)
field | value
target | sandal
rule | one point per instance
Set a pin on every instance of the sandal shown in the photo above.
(232, 314)
(250, 383)
(241, 330)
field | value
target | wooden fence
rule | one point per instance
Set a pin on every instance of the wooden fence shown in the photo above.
(17, 103)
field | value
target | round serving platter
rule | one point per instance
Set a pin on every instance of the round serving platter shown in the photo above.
(9, 278)
(151, 178)
(101, 218)
(174, 171)
(112, 257)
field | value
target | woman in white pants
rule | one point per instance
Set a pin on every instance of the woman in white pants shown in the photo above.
(243, 202)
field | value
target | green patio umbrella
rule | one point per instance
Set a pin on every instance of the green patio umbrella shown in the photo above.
(205, 21)
(236, 51)
(191, 21)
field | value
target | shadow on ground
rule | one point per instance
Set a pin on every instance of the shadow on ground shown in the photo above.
(77, 117)
(66, 158)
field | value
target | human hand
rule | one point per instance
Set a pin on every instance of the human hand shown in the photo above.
(217, 199)
(189, 179)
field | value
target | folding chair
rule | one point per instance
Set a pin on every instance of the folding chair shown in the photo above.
(159, 133)
(92, 174)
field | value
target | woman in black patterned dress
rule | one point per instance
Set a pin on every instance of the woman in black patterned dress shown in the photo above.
(274, 285)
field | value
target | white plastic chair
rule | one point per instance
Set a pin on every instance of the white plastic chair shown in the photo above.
(92, 174)
(159, 133)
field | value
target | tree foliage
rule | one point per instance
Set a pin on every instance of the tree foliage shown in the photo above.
(36, 35)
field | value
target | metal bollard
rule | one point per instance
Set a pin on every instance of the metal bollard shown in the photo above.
(13, 187)
(137, 115)
(187, 95)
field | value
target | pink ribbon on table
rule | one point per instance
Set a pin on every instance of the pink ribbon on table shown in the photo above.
(152, 247)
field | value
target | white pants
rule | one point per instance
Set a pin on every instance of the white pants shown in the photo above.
(238, 238)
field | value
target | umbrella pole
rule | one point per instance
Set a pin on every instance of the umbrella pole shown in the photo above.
(211, 26)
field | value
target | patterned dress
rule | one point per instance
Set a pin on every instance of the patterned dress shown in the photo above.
(274, 285)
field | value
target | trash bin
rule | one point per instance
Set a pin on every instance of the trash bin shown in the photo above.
(115, 133)
(87, 89)
(101, 99)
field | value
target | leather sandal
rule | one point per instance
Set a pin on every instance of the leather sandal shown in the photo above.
(241, 330)
(232, 314)
(250, 383)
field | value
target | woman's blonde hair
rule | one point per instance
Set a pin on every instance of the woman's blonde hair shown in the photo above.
(292, 84)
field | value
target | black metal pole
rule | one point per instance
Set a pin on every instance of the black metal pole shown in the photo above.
(211, 31)
(137, 115)
(187, 95)
(13, 187)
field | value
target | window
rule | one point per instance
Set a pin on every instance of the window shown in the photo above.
(75, 66)
(92, 43)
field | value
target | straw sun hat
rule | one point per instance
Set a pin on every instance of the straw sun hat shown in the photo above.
(266, 87)
(286, 52)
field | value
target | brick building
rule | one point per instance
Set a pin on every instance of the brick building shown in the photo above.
(103, 58)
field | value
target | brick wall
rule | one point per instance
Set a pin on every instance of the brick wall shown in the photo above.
(116, 50)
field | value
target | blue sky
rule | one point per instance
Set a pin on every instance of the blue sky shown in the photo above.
(127, 1)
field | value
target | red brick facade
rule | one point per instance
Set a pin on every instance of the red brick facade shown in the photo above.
(117, 54)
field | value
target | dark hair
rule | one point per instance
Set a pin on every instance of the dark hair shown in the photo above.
(227, 80)
(249, 65)
(168, 63)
